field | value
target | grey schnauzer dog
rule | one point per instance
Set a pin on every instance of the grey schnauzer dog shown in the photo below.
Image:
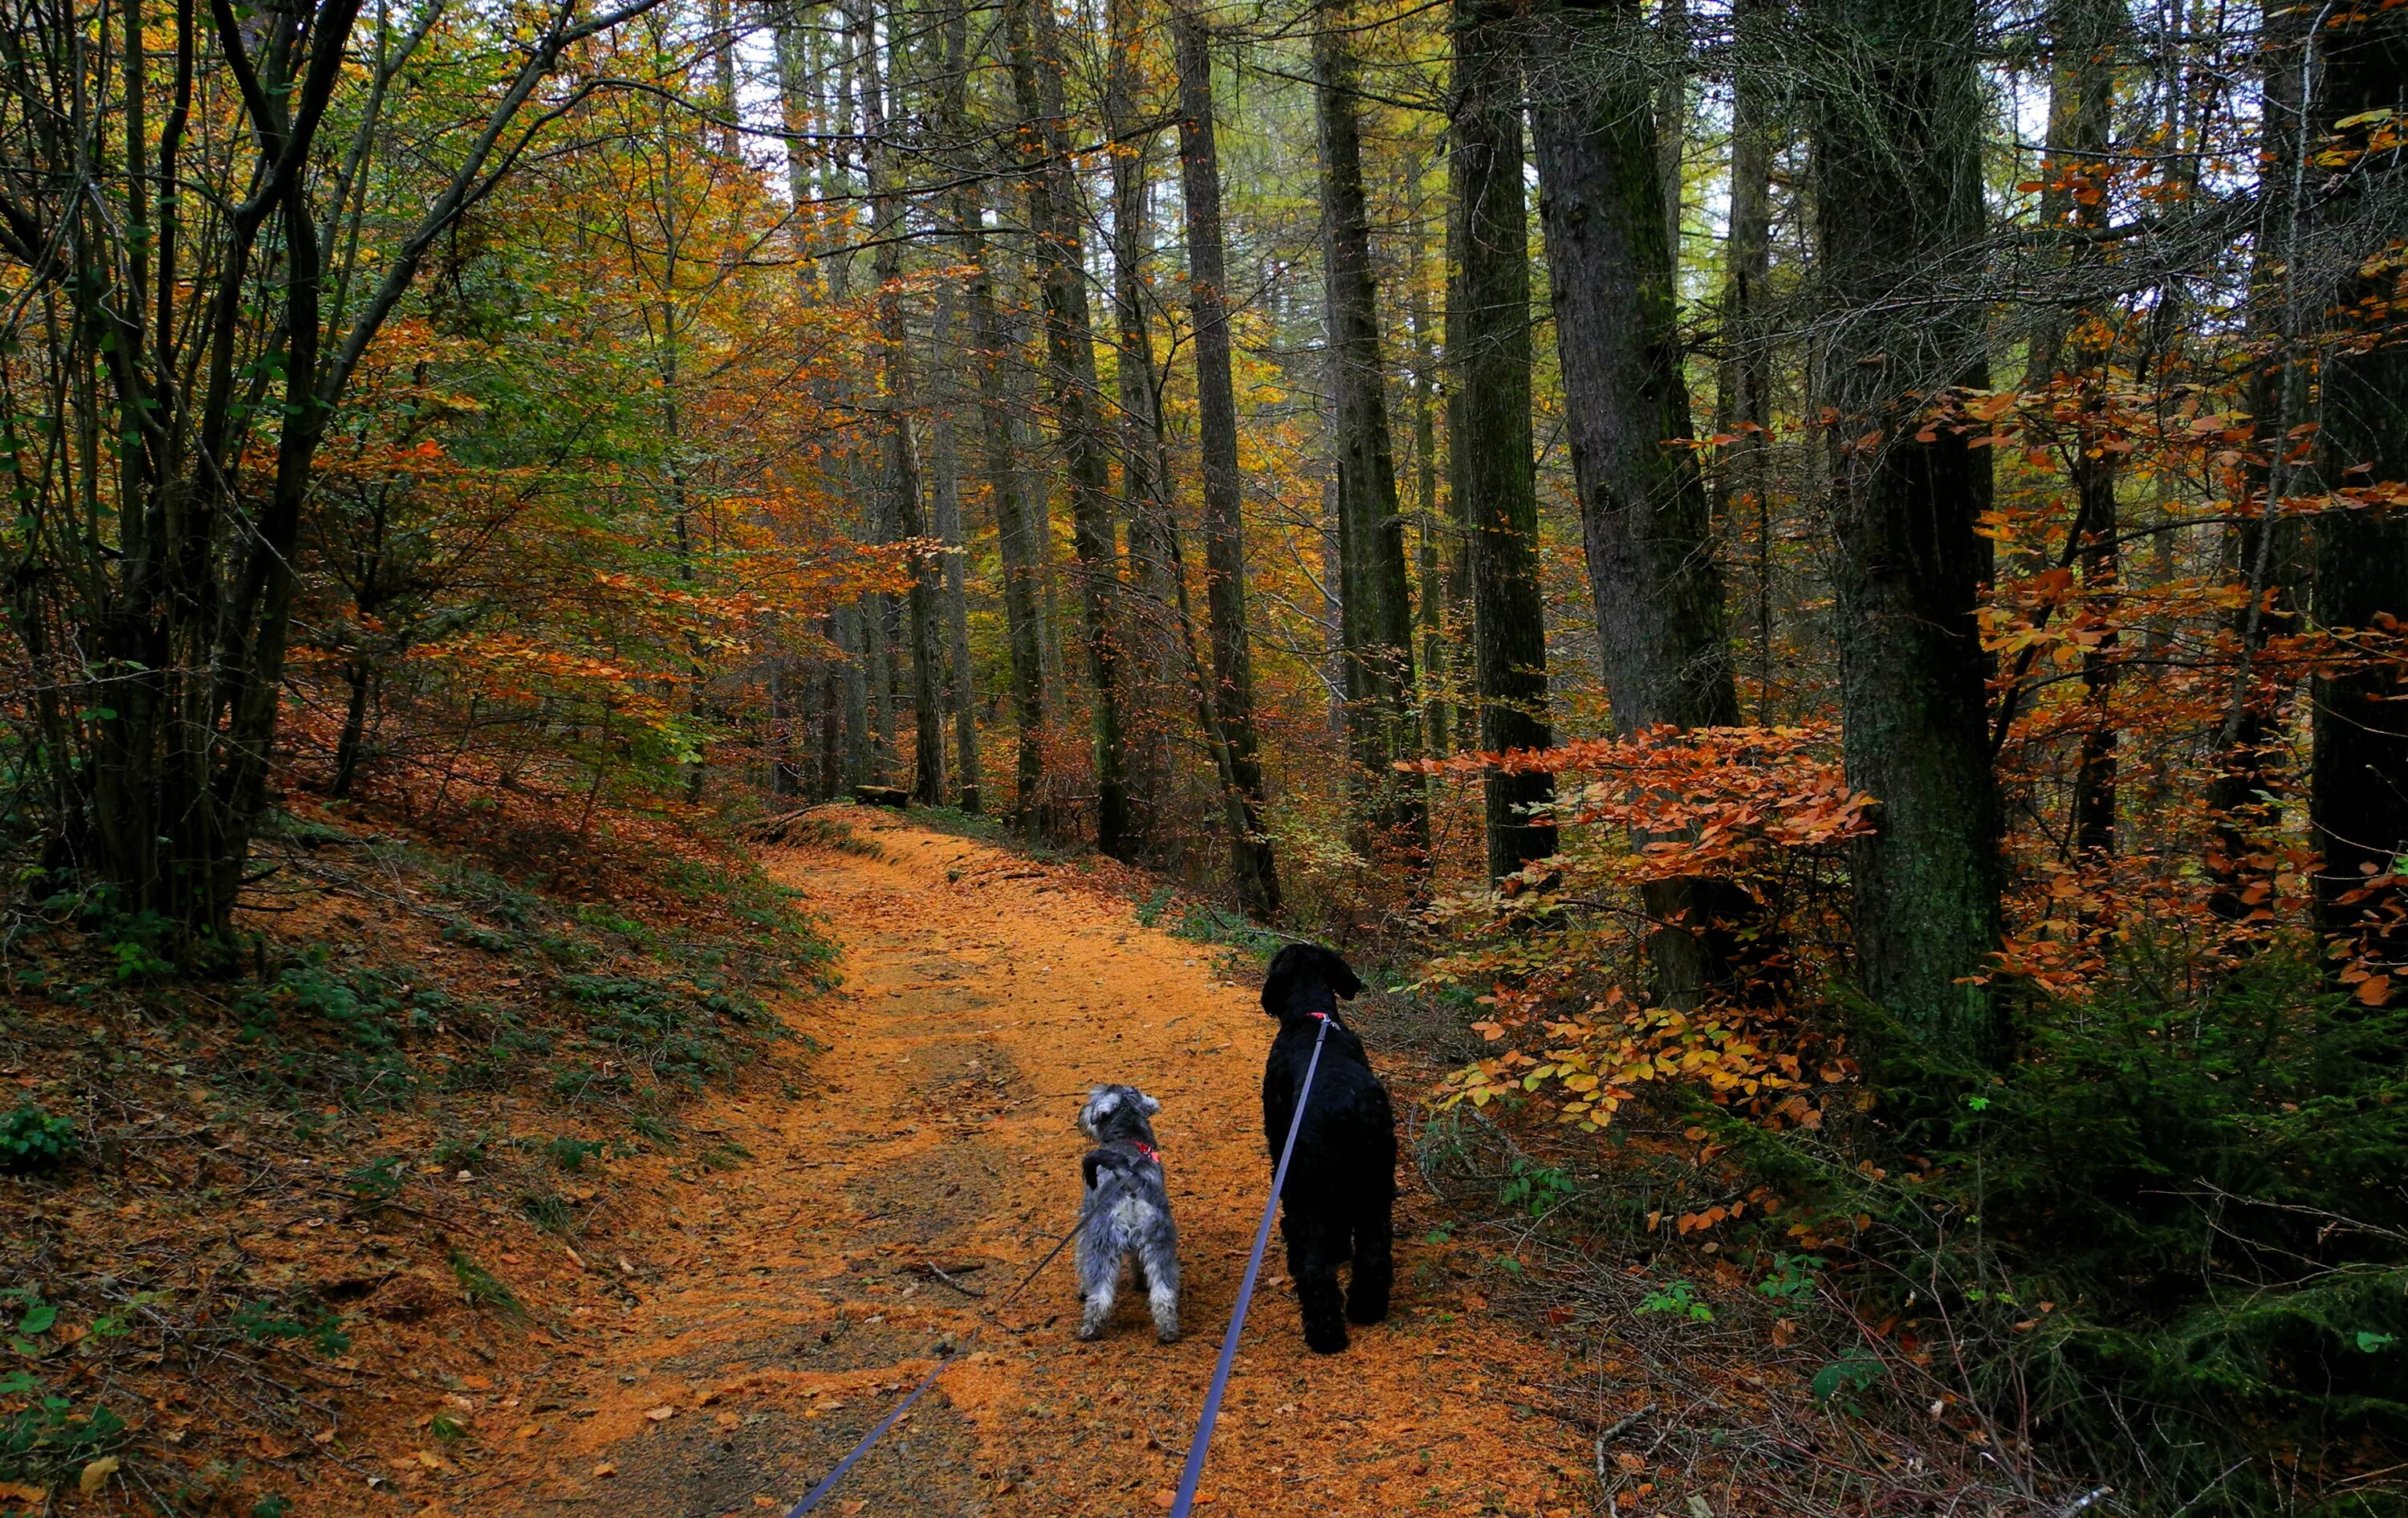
(1127, 1213)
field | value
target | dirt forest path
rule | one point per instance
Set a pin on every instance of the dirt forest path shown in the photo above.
(983, 996)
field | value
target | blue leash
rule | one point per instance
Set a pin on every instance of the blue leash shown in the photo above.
(1197, 1447)
(828, 1483)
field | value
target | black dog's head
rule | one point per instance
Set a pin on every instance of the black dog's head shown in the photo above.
(1306, 978)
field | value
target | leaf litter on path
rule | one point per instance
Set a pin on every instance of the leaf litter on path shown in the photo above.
(936, 1130)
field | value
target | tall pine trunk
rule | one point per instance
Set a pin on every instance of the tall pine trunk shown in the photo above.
(1898, 122)
(1645, 516)
(1016, 535)
(1743, 379)
(905, 511)
(1489, 430)
(1250, 862)
(1145, 487)
(1375, 594)
(1070, 370)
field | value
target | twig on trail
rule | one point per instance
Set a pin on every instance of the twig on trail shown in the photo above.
(1621, 1425)
(937, 1270)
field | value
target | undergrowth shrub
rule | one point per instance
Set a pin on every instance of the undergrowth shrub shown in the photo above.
(33, 1140)
(2171, 1242)
(49, 1436)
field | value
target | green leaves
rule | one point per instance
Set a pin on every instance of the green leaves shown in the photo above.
(32, 1140)
(1680, 1299)
(39, 1318)
(1845, 1377)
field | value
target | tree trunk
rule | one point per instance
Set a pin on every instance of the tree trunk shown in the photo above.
(906, 512)
(1433, 531)
(2267, 551)
(1251, 863)
(2357, 805)
(2084, 35)
(1016, 535)
(1645, 518)
(961, 691)
(1896, 145)
(1070, 365)
(359, 676)
(1743, 383)
(1145, 489)
(1672, 114)
(1489, 431)
(1375, 594)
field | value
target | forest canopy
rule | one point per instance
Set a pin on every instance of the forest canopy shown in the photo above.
(1833, 568)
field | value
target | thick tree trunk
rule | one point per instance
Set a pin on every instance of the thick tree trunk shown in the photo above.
(1645, 516)
(1250, 862)
(1375, 593)
(1070, 364)
(1898, 148)
(2357, 805)
(1489, 436)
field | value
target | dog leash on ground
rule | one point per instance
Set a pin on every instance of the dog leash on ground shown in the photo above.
(1197, 1447)
(828, 1483)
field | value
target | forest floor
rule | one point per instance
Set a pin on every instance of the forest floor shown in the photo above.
(599, 1193)
(981, 998)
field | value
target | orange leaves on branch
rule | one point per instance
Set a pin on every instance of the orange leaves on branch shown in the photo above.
(1711, 801)
(1750, 806)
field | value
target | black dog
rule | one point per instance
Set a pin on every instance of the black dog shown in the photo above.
(1342, 1184)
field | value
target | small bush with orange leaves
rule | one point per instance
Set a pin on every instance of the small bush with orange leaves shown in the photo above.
(1556, 953)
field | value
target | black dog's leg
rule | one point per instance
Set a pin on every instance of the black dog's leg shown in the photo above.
(1316, 1246)
(1375, 1266)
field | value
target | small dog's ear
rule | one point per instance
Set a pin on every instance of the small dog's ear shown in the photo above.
(1149, 1105)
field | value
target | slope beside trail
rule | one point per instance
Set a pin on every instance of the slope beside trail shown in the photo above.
(983, 996)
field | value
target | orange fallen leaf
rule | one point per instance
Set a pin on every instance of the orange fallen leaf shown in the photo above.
(606, 1468)
(661, 1414)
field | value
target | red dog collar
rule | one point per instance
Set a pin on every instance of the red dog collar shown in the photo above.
(1147, 1150)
